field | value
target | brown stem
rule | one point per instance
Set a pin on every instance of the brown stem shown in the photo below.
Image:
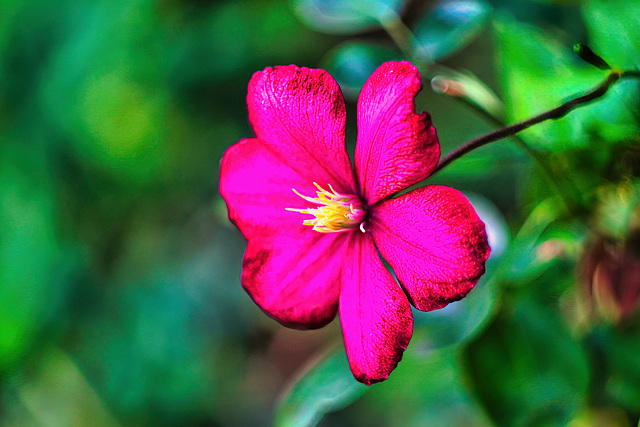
(554, 114)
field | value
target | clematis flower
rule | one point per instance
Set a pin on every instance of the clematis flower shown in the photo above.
(315, 224)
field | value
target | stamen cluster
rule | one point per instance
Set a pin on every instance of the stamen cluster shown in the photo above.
(337, 212)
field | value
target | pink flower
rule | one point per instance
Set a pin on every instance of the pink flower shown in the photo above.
(315, 224)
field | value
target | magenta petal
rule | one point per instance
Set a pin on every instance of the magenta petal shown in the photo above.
(435, 243)
(295, 277)
(291, 271)
(374, 313)
(258, 186)
(300, 114)
(396, 147)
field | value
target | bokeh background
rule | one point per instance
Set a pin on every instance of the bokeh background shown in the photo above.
(120, 300)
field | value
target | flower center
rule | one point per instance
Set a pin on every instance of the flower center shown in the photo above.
(335, 212)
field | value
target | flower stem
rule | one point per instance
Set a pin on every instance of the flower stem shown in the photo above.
(536, 156)
(404, 38)
(554, 114)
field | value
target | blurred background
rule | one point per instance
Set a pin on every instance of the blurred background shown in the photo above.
(120, 300)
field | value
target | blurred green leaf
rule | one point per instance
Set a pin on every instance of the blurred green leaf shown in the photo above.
(600, 416)
(427, 388)
(154, 347)
(460, 321)
(57, 394)
(561, 2)
(221, 32)
(346, 16)
(539, 74)
(327, 386)
(527, 369)
(620, 376)
(521, 261)
(152, 358)
(230, 40)
(450, 26)
(614, 30)
(617, 209)
(29, 251)
(351, 63)
(111, 104)
(120, 115)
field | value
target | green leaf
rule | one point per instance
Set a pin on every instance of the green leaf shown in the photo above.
(352, 63)
(614, 30)
(450, 26)
(56, 392)
(29, 252)
(425, 390)
(461, 320)
(540, 73)
(527, 369)
(521, 262)
(620, 372)
(137, 350)
(346, 16)
(326, 387)
(559, 2)
(110, 104)
(590, 57)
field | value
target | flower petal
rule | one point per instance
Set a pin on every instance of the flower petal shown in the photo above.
(396, 147)
(300, 114)
(291, 271)
(374, 313)
(435, 242)
(258, 186)
(295, 277)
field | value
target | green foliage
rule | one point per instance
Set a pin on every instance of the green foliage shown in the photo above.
(526, 368)
(352, 63)
(539, 73)
(621, 378)
(57, 391)
(326, 387)
(450, 26)
(426, 388)
(459, 322)
(614, 30)
(346, 16)
(29, 253)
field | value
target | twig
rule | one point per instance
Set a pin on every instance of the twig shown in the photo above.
(553, 114)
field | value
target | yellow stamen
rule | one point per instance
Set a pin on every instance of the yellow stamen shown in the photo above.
(336, 213)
